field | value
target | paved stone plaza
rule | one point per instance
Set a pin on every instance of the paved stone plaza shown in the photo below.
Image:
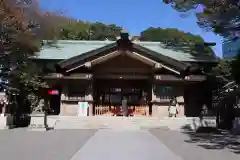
(106, 144)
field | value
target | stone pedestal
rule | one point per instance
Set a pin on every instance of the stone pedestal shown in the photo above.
(6, 121)
(236, 126)
(37, 121)
(3, 111)
(3, 122)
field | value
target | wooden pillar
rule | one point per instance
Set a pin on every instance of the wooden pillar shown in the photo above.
(46, 108)
(154, 100)
(149, 96)
(190, 99)
(89, 98)
(64, 94)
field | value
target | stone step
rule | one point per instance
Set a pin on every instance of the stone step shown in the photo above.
(92, 119)
(104, 119)
(77, 125)
(68, 122)
(112, 122)
(103, 124)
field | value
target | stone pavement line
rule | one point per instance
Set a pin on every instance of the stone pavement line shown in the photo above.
(124, 145)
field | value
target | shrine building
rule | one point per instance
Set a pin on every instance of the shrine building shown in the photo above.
(102, 73)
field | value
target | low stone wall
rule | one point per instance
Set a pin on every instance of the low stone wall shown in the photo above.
(189, 123)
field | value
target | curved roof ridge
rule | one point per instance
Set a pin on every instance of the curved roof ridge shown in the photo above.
(84, 42)
(147, 43)
(97, 42)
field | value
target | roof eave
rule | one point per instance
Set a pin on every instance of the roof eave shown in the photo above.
(180, 66)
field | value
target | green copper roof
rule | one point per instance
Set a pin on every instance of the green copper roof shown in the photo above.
(66, 49)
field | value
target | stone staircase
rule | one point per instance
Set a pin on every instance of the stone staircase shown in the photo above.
(121, 123)
(104, 122)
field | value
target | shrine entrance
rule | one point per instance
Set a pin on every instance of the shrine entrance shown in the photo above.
(110, 93)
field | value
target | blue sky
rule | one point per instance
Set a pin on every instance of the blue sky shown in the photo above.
(133, 15)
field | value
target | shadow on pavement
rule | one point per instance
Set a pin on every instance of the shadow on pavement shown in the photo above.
(212, 138)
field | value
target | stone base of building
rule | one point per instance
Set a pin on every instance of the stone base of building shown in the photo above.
(72, 109)
(161, 111)
(69, 109)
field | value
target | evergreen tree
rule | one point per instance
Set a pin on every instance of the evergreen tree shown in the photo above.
(4, 74)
